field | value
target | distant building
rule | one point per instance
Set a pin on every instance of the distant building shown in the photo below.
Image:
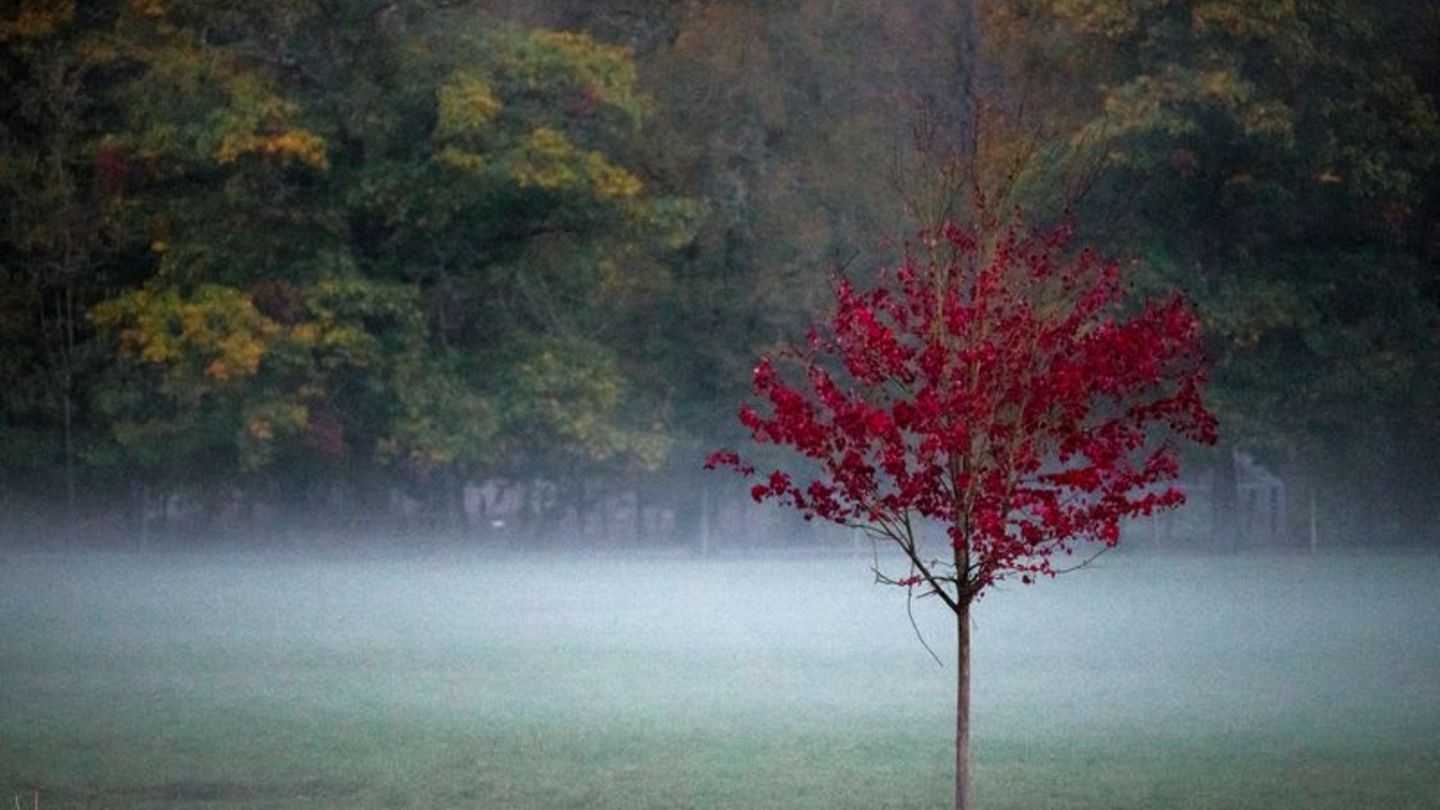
(1263, 506)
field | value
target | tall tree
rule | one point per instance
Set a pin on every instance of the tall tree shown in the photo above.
(1271, 159)
(59, 189)
(338, 234)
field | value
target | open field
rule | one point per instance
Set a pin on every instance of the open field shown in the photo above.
(460, 681)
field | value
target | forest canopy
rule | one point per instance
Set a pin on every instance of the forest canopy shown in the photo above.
(341, 264)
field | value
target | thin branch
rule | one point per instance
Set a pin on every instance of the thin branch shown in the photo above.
(1092, 558)
(884, 579)
(909, 611)
(882, 527)
(935, 582)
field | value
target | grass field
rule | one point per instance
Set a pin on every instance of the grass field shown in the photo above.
(459, 681)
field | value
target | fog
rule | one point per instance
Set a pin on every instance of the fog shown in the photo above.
(360, 362)
(127, 679)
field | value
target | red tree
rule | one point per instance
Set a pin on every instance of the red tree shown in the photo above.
(997, 395)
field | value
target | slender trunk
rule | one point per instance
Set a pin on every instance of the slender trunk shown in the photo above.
(252, 511)
(966, 42)
(531, 509)
(705, 522)
(144, 498)
(1225, 503)
(459, 517)
(580, 510)
(962, 707)
(639, 514)
(1314, 522)
(64, 311)
(606, 535)
(68, 434)
(6, 510)
(70, 399)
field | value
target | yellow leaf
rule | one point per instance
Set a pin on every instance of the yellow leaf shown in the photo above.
(610, 180)
(460, 159)
(467, 106)
(260, 428)
(305, 333)
(300, 145)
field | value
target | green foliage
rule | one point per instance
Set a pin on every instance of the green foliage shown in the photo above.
(334, 231)
(1274, 159)
(563, 399)
(297, 248)
(204, 341)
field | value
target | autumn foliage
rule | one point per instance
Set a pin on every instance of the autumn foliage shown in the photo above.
(1000, 390)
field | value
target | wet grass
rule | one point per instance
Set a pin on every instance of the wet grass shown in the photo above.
(248, 682)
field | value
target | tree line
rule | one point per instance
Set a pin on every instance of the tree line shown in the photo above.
(337, 263)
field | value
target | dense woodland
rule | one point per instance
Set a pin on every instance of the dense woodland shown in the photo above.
(370, 267)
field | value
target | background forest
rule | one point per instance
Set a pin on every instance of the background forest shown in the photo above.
(497, 268)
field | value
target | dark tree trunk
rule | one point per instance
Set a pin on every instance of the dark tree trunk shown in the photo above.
(639, 514)
(142, 498)
(455, 480)
(706, 516)
(582, 511)
(966, 42)
(1225, 502)
(962, 707)
(68, 434)
(531, 509)
(1314, 522)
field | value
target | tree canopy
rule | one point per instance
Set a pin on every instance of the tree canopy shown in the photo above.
(349, 257)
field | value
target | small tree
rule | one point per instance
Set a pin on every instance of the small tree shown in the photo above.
(995, 391)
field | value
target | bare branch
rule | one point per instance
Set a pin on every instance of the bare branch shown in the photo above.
(1092, 558)
(909, 611)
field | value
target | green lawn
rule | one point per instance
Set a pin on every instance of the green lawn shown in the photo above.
(248, 682)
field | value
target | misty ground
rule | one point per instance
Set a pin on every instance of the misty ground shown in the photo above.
(448, 680)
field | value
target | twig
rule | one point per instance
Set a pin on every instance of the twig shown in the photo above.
(1092, 558)
(909, 601)
(883, 579)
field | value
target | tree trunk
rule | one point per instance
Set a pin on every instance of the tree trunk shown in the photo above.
(581, 509)
(68, 439)
(962, 707)
(965, 40)
(455, 480)
(705, 510)
(144, 499)
(1225, 502)
(639, 513)
(69, 401)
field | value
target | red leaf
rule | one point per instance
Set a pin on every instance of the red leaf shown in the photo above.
(1010, 386)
